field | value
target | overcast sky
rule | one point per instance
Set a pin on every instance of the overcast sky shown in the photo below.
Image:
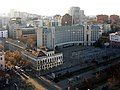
(52, 7)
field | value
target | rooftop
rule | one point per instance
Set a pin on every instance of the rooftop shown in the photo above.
(28, 30)
(40, 54)
(2, 29)
(116, 33)
(46, 49)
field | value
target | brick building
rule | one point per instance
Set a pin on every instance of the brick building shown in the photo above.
(102, 18)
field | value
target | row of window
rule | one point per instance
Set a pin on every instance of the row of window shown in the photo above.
(49, 65)
(69, 36)
(50, 54)
(55, 59)
(69, 40)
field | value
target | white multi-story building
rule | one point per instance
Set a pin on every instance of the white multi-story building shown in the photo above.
(45, 59)
(2, 60)
(115, 39)
(4, 21)
(3, 33)
(67, 35)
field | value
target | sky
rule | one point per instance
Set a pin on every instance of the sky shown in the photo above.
(53, 7)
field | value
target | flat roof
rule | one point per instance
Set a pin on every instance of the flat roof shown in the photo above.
(1, 29)
(116, 33)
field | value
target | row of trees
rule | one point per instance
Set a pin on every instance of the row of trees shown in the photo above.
(14, 58)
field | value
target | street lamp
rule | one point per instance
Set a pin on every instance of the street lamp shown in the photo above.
(8, 44)
(106, 44)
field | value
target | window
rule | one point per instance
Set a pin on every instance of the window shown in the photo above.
(2, 34)
(0, 58)
(43, 61)
(59, 57)
(48, 60)
(38, 62)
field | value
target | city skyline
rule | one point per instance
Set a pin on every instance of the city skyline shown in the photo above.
(61, 7)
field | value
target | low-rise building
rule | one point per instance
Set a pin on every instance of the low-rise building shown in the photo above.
(115, 39)
(102, 18)
(44, 59)
(114, 18)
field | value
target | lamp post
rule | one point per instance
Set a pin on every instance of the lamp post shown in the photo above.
(8, 45)
(106, 44)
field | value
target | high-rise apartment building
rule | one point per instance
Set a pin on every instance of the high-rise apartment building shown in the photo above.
(77, 15)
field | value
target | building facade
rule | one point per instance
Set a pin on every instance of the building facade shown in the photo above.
(96, 32)
(77, 15)
(46, 22)
(25, 33)
(114, 18)
(44, 59)
(67, 35)
(115, 39)
(58, 19)
(102, 18)
(66, 20)
(3, 33)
